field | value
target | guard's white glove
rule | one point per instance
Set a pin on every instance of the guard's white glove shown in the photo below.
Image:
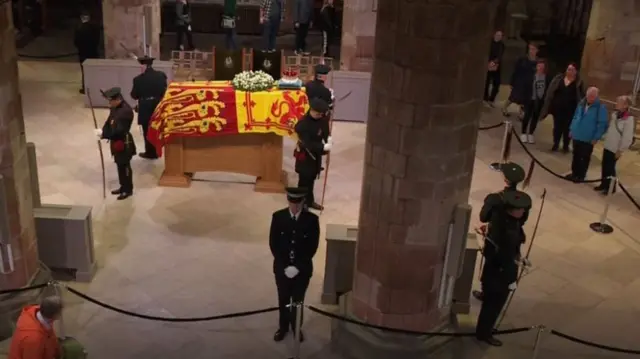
(327, 146)
(513, 286)
(98, 133)
(291, 272)
(189, 28)
(333, 94)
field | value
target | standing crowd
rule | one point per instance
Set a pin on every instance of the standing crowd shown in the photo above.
(580, 119)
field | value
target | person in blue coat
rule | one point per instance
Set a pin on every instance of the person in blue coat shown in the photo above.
(588, 126)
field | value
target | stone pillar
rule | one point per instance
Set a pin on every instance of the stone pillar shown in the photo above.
(15, 183)
(426, 88)
(609, 60)
(123, 26)
(358, 33)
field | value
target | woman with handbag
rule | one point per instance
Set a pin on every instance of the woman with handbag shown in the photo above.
(617, 139)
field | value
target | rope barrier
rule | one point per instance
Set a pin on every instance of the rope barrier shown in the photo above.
(23, 289)
(594, 345)
(629, 196)
(485, 128)
(524, 147)
(166, 319)
(323, 313)
(48, 57)
(411, 332)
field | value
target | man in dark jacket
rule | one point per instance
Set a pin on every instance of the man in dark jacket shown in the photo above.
(294, 237)
(229, 24)
(492, 83)
(316, 88)
(513, 174)
(313, 143)
(148, 89)
(522, 80)
(116, 130)
(302, 14)
(87, 41)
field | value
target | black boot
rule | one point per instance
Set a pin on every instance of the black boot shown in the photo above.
(124, 195)
(279, 335)
(116, 191)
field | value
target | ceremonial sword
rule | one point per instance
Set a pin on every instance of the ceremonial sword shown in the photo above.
(95, 124)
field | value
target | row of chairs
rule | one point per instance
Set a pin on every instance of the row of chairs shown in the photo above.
(223, 65)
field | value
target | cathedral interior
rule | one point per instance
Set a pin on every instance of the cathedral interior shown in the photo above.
(424, 147)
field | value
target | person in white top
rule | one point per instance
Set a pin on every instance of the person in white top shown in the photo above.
(617, 139)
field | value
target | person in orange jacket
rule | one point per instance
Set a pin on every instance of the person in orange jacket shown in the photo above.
(35, 337)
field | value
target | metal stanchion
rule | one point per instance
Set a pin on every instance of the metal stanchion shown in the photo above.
(602, 226)
(298, 307)
(536, 344)
(506, 146)
(58, 288)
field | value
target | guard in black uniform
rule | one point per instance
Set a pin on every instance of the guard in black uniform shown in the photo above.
(500, 271)
(513, 174)
(316, 88)
(313, 143)
(293, 238)
(148, 89)
(116, 130)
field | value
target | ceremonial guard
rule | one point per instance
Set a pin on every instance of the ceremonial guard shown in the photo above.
(513, 174)
(508, 211)
(117, 131)
(293, 238)
(148, 89)
(313, 142)
(316, 88)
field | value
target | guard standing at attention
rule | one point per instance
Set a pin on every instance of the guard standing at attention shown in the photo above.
(500, 271)
(316, 88)
(513, 175)
(116, 130)
(313, 143)
(293, 238)
(148, 89)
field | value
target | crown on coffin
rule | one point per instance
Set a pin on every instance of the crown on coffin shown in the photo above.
(290, 73)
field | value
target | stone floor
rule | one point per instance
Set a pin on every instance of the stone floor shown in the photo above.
(203, 251)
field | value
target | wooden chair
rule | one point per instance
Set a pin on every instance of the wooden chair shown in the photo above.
(229, 63)
(193, 65)
(269, 62)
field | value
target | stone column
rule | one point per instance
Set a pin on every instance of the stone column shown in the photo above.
(610, 60)
(426, 88)
(16, 208)
(123, 26)
(358, 30)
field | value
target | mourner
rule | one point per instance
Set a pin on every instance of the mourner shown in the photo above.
(513, 174)
(500, 270)
(116, 130)
(35, 336)
(293, 238)
(316, 88)
(148, 89)
(313, 142)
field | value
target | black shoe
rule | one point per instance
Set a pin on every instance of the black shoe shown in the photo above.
(316, 206)
(116, 191)
(148, 156)
(124, 195)
(478, 295)
(491, 341)
(554, 148)
(279, 335)
(571, 177)
(81, 91)
(600, 188)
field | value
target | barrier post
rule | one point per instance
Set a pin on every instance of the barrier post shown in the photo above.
(61, 328)
(298, 307)
(536, 344)
(506, 146)
(602, 226)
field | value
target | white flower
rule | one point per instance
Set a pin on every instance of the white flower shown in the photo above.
(252, 81)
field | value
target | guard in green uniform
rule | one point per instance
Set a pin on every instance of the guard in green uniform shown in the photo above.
(502, 260)
(513, 175)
